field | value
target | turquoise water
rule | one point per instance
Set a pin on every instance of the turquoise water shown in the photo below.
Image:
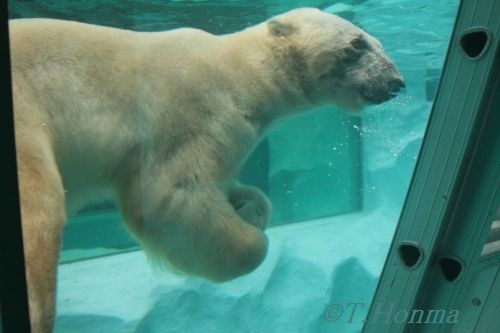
(336, 192)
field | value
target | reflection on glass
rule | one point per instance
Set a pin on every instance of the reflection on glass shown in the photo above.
(337, 184)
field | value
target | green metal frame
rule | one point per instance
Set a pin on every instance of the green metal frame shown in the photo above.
(452, 201)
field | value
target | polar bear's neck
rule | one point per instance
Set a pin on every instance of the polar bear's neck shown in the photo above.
(265, 76)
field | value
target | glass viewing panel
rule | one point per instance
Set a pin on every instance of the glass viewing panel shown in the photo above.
(337, 183)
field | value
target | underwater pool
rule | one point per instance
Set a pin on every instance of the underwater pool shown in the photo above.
(337, 184)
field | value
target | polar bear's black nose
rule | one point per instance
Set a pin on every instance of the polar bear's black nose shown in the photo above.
(376, 92)
(396, 84)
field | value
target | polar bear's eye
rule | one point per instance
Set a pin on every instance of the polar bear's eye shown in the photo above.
(360, 43)
(350, 55)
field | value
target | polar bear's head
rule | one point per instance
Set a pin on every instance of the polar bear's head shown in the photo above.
(333, 60)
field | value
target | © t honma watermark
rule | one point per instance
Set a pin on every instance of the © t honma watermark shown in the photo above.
(388, 313)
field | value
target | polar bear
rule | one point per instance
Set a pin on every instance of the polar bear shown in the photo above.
(162, 121)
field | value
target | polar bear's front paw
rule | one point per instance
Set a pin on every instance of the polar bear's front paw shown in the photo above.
(251, 205)
(253, 213)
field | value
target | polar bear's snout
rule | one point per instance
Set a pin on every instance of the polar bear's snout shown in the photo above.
(379, 91)
(381, 80)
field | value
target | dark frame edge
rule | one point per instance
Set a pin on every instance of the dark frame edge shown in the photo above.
(14, 314)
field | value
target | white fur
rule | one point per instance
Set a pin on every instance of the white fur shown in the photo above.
(161, 122)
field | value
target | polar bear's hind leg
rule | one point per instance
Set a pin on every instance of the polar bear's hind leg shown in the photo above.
(43, 217)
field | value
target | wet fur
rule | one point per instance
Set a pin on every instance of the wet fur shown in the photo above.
(161, 122)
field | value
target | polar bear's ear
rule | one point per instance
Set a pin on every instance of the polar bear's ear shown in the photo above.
(278, 28)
